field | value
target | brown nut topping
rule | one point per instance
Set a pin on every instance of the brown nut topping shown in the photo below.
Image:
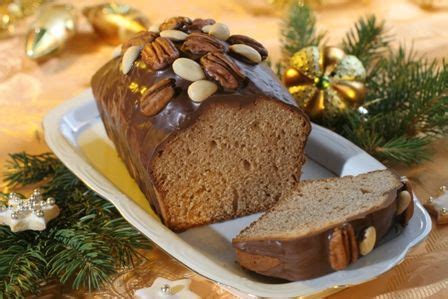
(198, 44)
(197, 24)
(159, 53)
(157, 96)
(343, 248)
(139, 39)
(406, 215)
(176, 23)
(222, 69)
(245, 40)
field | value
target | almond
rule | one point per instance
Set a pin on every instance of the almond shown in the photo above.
(201, 90)
(188, 69)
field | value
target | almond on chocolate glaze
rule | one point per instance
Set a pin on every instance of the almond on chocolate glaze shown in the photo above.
(248, 41)
(139, 39)
(220, 68)
(343, 247)
(176, 23)
(157, 96)
(198, 44)
(159, 53)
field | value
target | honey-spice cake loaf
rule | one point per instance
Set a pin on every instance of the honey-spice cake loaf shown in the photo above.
(202, 124)
(325, 225)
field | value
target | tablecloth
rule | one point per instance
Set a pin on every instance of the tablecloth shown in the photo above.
(29, 89)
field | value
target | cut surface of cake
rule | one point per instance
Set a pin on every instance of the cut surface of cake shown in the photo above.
(202, 124)
(325, 225)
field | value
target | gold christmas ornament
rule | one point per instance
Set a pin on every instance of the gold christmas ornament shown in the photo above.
(115, 22)
(55, 24)
(325, 81)
(432, 4)
(13, 11)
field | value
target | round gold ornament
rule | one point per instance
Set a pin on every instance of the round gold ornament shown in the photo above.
(115, 22)
(325, 80)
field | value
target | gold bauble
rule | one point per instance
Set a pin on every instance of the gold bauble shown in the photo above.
(325, 80)
(13, 11)
(55, 24)
(115, 22)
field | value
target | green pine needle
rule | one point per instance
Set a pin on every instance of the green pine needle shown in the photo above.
(23, 169)
(367, 40)
(413, 89)
(402, 149)
(78, 255)
(299, 29)
(21, 264)
(84, 246)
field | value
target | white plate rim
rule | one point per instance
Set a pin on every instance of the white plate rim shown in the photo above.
(175, 246)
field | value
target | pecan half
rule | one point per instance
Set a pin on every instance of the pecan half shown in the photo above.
(220, 68)
(159, 53)
(157, 96)
(139, 39)
(245, 40)
(197, 24)
(176, 23)
(198, 44)
(343, 247)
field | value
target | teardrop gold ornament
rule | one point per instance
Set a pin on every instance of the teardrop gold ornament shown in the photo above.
(325, 80)
(55, 24)
(115, 22)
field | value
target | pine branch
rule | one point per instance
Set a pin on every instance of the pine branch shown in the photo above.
(21, 265)
(79, 256)
(404, 149)
(23, 169)
(368, 133)
(123, 241)
(299, 29)
(85, 245)
(413, 88)
(407, 103)
(367, 40)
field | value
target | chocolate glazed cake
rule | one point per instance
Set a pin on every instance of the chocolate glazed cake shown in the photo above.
(203, 126)
(325, 225)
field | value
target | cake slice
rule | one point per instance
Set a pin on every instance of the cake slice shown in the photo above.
(325, 225)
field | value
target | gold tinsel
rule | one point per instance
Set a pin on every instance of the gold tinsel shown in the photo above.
(325, 80)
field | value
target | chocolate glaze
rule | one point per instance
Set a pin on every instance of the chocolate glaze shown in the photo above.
(137, 137)
(308, 257)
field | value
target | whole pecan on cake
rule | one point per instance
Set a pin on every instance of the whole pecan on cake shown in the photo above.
(157, 96)
(197, 24)
(139, 39)
(248, 41)
(343, 247)
(220, 68)
(198, 44)
(159, 53)
(176, 23)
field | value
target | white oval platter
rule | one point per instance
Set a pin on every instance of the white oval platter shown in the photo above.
(207, 250)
